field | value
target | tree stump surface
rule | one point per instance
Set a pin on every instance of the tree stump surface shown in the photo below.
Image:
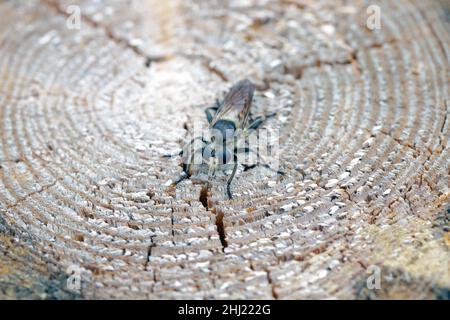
(86, 115)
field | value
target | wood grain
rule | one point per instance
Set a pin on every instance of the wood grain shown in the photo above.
(86, 115)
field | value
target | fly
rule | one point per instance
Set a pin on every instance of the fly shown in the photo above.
(228, 121)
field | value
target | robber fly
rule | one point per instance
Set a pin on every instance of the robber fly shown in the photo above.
(227, 120)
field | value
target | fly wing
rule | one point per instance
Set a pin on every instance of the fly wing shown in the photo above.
(236, 103)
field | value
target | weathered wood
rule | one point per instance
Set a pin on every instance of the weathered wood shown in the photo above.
(85, 116)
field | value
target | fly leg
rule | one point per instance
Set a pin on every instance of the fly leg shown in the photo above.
(182, 150)
(187, 166)
(186, 174)
(265, 165)
(173, 155)
(182, 177)
(260, 162)
(233, 173)
(258, 121)
(229, 181)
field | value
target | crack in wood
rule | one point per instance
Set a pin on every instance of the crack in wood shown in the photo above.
(204, 198)
(221, 229)
(271, 284)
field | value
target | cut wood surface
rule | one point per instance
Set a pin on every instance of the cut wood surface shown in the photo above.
(87, 114)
